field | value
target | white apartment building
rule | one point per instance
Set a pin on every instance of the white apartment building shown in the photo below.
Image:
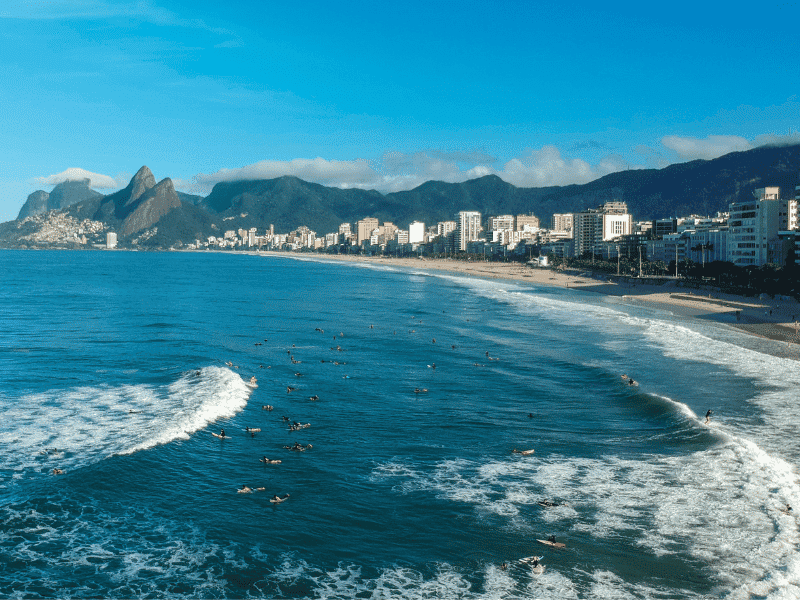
(753, 227)
(469, 228)
(501, 222)
(111, 240)
(562, 222)
(445, 227)
(600, 225)
(416, 232)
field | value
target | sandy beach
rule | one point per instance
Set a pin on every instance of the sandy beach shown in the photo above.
(770, 318)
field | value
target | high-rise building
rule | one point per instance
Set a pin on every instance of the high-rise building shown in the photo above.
(502, 222)
(599, 225)
(562, 222)
(469, 228)
(753, 228)
(365, 227)
(530, 221)
(416, 232)
(445, 227)
(111, 240)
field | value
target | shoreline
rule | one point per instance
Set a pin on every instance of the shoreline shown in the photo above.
(767, 318)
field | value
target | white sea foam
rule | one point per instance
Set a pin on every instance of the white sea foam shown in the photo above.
(94, 546)
(720, 506)
(87, 424)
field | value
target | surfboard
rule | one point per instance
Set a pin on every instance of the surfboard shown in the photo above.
(222, 437)
(279, 500)
(270, 462)
(552, 544)
(252, 429)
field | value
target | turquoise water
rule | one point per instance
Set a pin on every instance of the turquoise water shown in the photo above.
(115, 370)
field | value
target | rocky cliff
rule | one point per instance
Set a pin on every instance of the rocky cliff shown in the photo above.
(65, 194)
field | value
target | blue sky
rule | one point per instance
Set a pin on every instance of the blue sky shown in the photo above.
(358, 94)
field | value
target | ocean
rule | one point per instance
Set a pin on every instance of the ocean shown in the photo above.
(118, 366)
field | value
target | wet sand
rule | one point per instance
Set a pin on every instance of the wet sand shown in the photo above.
(770, 318)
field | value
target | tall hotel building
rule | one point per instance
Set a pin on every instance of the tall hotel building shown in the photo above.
(597, 225)
(752, 226)
(365, 229)
(469, 228)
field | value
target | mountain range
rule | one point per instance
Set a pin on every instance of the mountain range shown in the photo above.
(154, 214)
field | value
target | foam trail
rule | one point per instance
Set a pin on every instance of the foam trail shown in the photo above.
(87, 424)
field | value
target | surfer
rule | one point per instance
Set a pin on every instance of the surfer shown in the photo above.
(552, 539)
(530, 415)
(222, 433)
(708, 417)
(58, 472)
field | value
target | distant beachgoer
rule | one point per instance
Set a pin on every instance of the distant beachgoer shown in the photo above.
(504, 566)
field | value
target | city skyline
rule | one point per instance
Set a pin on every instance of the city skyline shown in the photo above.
(383, 98)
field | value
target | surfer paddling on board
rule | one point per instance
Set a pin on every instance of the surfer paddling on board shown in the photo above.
(708, 417)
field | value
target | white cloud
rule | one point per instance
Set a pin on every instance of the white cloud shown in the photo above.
(771, 139)
(339, 173)
(546, 167)
(96, 180)
(398, 171)
(713, 146)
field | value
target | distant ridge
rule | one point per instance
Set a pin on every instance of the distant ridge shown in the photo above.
(698, 187)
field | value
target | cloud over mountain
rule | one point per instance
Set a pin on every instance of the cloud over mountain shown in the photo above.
(398, 171)
(713, 146)
(96, 180)
(339, 173)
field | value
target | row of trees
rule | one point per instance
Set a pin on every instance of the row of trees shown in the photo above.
(747, 281)
(725, 276)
